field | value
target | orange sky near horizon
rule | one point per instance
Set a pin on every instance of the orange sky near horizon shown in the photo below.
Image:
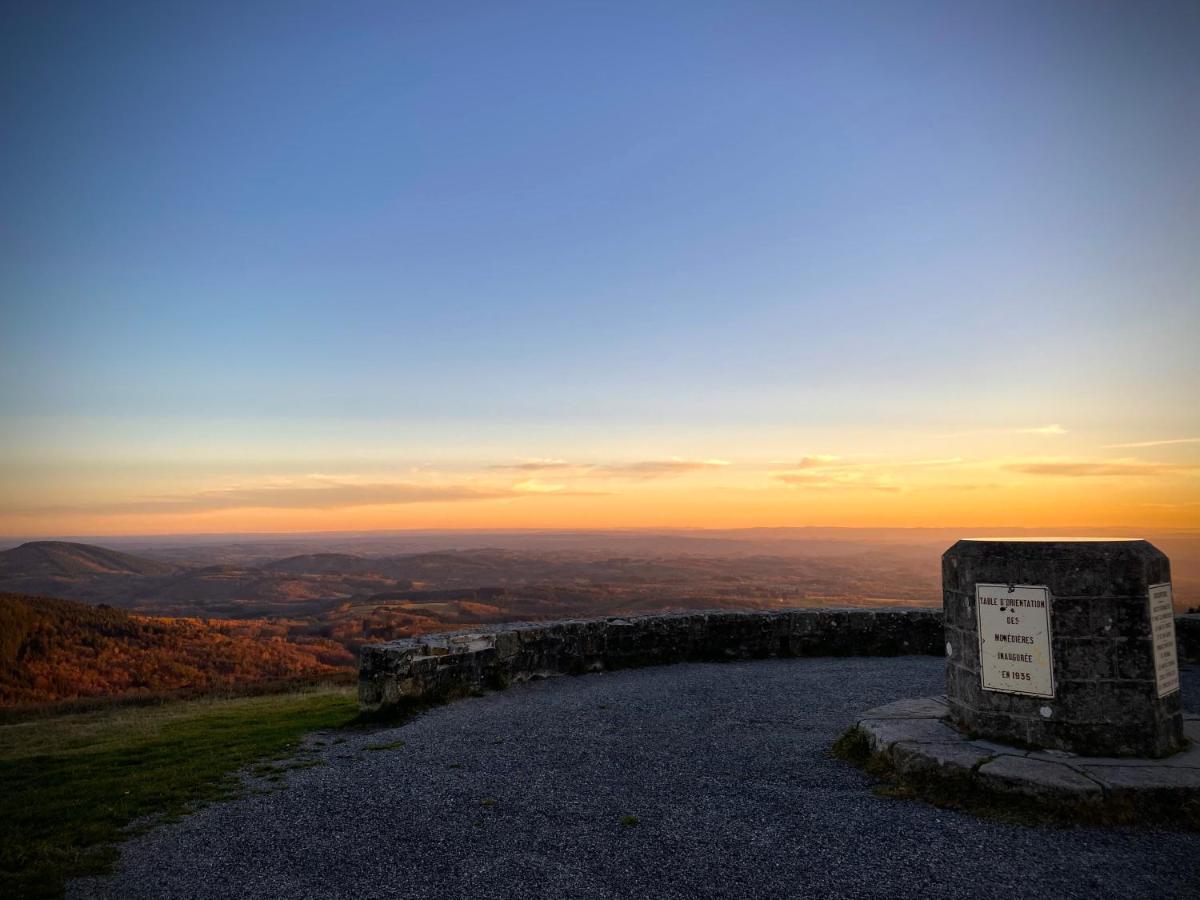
(1154, 486)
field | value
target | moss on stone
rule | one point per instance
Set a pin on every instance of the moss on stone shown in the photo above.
(852, 746)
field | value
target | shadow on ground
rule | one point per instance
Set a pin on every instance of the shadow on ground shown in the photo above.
(681, 781)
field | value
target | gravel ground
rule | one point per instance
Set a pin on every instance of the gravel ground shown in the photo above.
(521, 793)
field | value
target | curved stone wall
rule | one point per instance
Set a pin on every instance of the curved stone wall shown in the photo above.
(1187, 636)
(438, 666)
(441, 665)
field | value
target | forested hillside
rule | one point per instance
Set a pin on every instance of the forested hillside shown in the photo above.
(60, 650)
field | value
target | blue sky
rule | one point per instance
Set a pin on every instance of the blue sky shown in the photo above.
(478, 232)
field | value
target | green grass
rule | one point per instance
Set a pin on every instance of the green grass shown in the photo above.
(71, 786)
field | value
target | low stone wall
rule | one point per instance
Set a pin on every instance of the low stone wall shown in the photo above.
(1187, 636)
(436, 666)
(461, 662)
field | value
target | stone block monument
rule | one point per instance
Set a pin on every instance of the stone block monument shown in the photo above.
(1063, 643)
(1062, 689)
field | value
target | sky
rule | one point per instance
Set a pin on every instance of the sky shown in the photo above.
(348, 265)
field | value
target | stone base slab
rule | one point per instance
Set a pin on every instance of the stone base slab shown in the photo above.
(913, 738)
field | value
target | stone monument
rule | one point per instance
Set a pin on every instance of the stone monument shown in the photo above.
(1063, 643)
(1062, 689)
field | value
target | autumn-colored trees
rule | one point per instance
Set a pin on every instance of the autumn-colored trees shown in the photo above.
(58, 650)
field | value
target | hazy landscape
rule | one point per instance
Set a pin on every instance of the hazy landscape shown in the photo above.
(159, 615)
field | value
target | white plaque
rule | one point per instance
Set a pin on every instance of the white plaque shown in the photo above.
(1014, 639)
(1162, 626)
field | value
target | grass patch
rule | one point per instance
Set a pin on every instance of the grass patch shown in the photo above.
(629, 821)
(58, 709)
(404, 709)
(70, 786)
(496, 681)
(854, 747)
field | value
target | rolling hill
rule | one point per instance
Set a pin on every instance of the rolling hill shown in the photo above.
(98, 575)
(62, 559)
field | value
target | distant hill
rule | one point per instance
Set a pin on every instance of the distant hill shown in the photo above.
(328, 564)
(94, 574)
(61, 559)
(54, 650)
(465, 567)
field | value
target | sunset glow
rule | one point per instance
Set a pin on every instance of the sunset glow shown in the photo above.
(594, 268)
(1040, 484)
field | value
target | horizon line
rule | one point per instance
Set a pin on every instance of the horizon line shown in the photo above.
(383, 532)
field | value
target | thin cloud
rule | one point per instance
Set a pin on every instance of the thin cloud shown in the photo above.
(835, 462)
(540, 465)
(821, 481)
(533, 486)
(1164, 443)
(834, 473)
(1054, 430)
(640, 470)
(1110, 469)
(328, 495)
(815, 462)
(658, 468)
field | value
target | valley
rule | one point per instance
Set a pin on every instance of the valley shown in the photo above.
(148, 616)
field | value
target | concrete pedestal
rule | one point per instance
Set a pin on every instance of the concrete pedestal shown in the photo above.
(1088, 670)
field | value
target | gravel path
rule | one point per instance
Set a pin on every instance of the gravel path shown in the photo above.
(521, 793)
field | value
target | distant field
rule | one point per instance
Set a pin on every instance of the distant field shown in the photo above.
(70, 785)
